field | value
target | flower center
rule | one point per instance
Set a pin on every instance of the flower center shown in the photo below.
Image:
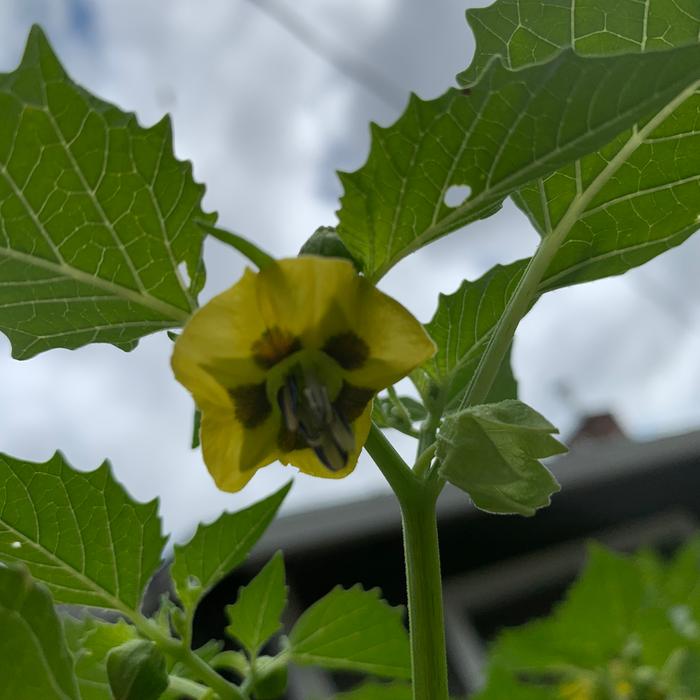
(307, 411)
(305, 387)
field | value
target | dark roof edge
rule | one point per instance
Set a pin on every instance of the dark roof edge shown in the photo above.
(586, 464)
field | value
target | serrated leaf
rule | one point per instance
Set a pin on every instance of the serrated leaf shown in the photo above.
(605, 608)
(36, 661)
(512, 127)
(78, 532)
(216, 549)
(96, 216)
(90, 641)
(523, 32)
(256, 614)
(353, 630)
(637, 196)
(492, 452)
(613, 623)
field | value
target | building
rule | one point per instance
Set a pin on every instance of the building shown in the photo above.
(498, 570)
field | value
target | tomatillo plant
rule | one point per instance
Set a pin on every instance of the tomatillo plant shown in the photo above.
(284, 366)
(591, 131)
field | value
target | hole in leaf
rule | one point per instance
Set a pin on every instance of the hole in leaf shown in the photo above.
(184, 274)
(193, 582)
(16, 545)
(457, 194)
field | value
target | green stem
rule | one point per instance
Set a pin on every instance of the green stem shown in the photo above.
(424, 460)
(518, 305)
(418, 499)
(429, 430)
(256, 255)
(425, 611)
(184, 686)
(200, 668)
(398, 474)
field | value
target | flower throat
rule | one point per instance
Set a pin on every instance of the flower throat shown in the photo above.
(308, 412)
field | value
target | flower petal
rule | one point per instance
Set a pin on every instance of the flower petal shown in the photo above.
(307, 461)
(310, 296)
(397, 342)
(233, 453)
(330, 307)
(214, 351)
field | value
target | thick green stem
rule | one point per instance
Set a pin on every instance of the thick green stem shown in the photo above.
(425, 611)
(417, 498)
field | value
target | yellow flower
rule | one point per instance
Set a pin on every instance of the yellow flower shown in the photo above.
(284, 366)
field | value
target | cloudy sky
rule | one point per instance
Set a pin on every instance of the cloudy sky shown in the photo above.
(269, 98)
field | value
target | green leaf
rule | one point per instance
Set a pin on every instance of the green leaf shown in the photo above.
(97, 217)
(90, 640)
(492, 452)
(637, 196)
(378, 691)
(78, 532)
(137, 671)
(512, 127)
(352, 630)
(523, 32)
(256, 614)
(686, 674)
(216, 549)
(461, 328)
(503, 684)
(608, 607)
(398, 412)
(505, 385)
(36, 662)
(614, 624)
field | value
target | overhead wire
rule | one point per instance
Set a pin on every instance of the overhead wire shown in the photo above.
(360, 72)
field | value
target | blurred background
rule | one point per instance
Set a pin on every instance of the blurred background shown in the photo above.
(269, 98)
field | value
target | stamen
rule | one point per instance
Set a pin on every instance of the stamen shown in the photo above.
(309, 414)
(287, 398)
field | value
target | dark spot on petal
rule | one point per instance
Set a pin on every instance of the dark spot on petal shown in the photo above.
(273, 346)
(289, 441)
(352, 401)
(251, 404)
(347, 349)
